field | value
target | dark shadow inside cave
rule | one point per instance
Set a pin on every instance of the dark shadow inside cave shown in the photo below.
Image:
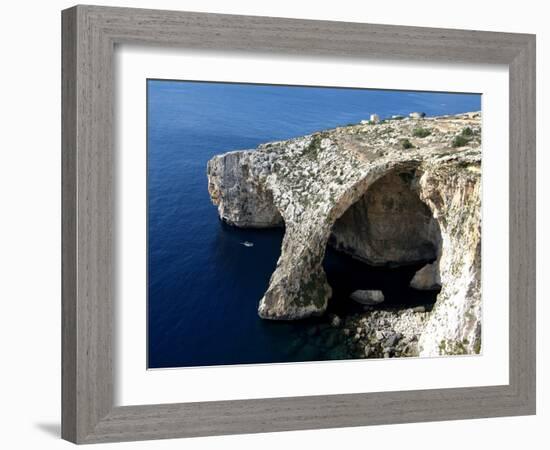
(380, 243)
(346, 274)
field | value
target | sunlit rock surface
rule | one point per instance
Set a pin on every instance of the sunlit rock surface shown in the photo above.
(427, 278)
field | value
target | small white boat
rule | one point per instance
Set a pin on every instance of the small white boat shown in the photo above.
(247, 244)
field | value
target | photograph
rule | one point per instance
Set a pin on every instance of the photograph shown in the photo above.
(265, 225)
(308, 223)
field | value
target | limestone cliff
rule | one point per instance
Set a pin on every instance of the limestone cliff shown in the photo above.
(393, 193)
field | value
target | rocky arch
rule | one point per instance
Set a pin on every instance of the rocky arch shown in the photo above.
(299, 288)
(311, 182)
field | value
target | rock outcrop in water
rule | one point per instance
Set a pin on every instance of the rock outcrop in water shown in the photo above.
(392, 193)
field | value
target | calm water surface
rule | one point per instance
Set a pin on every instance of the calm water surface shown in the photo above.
(203, 285)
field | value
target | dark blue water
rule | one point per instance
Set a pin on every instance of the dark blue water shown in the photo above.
(203, 285)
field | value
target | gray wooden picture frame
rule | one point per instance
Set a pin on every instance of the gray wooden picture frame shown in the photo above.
(89, 37)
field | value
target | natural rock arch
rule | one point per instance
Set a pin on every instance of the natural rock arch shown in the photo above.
(299, 288)
(311, 181)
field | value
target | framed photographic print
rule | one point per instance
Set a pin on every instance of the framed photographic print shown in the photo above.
(278, 224)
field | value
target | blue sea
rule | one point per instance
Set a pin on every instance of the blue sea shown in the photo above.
(203, 285)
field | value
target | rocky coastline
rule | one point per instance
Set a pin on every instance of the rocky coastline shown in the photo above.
(387, 192)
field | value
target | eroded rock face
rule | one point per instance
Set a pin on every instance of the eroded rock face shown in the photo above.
(241, 200)
(454, 326)
(427, 278)
(410, 204)
(389, 225)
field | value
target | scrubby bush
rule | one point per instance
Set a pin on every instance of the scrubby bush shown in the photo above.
(459, 141)
(467, 132)
(314, 145)
(405, 143)
(421, 132)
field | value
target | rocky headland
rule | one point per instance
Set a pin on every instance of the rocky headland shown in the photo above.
(389, 193)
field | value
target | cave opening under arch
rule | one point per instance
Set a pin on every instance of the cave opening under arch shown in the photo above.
(380, 243)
